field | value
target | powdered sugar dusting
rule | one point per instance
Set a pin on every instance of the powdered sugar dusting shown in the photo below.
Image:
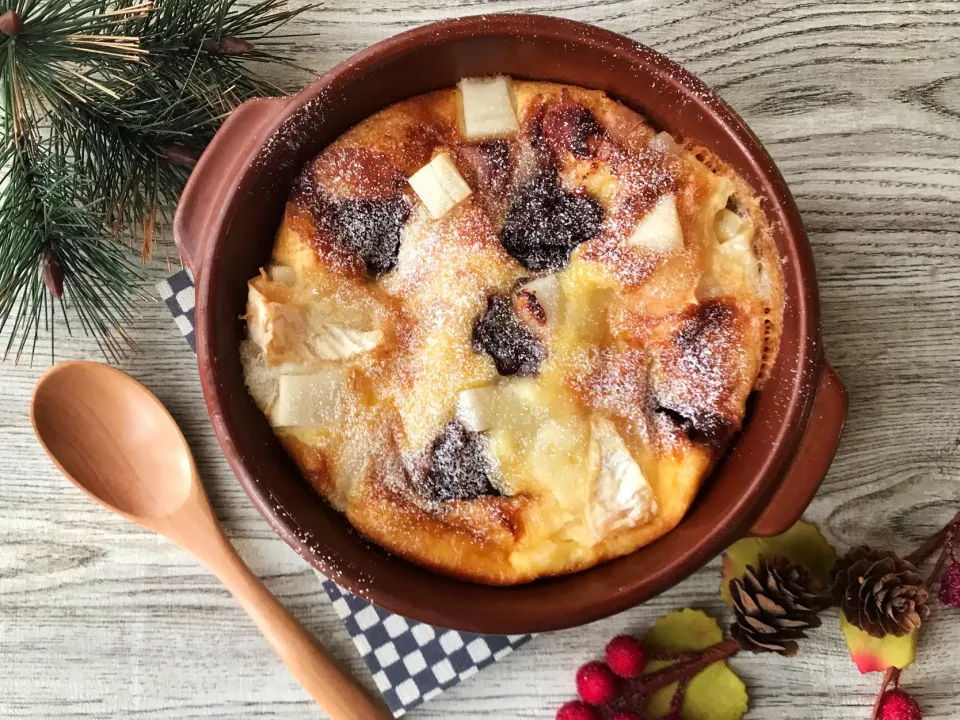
(639, 180)
(699, 371)
(616, 383)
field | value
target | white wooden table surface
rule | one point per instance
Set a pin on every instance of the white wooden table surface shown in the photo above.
(859, 104)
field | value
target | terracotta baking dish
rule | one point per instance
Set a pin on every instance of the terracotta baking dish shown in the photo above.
(225, 225)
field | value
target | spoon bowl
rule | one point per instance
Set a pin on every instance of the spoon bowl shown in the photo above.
(116, 441)
(113, 438)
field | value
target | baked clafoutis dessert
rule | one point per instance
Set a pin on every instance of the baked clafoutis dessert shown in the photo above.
(508, 328)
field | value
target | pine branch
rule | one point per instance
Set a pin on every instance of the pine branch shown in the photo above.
(60, 55)
(126, 159)
(104, 106)
(50, 227)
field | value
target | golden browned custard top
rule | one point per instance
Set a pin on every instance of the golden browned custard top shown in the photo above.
(508, 327)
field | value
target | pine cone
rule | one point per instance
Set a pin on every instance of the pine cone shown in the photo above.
(878, 592)
(774, 604)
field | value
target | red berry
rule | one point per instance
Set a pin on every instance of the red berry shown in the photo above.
(626, 716)
(595, 683)
(625, 656)
(899, 705)
(950, 586)
(576, 710)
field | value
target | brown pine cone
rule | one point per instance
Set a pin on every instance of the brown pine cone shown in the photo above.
(879, 592)
(774, 604)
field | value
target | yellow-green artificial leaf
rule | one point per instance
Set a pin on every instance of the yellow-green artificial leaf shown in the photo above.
(873, 654)
(715, 693)
(802, 545)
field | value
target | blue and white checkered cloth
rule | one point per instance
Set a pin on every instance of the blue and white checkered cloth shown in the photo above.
(411, 662)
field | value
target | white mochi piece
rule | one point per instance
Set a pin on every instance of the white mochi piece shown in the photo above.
(487, 109)
(440, 186)
(308, 401)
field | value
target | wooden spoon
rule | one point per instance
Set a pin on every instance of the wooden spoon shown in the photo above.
(114, 440)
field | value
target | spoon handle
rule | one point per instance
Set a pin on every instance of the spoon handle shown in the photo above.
(334, 689)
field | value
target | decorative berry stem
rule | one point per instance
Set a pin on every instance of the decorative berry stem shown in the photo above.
(676, 702)
(892, 675)
(680, 656)
(649, 684)
(945, 552)
(638, 691)
(933, 543)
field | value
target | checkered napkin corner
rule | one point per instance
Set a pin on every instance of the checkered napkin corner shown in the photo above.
(177, 293)
(410, 662)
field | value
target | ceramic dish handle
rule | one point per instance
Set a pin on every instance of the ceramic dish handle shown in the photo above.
(809, 467)
(224, 158)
